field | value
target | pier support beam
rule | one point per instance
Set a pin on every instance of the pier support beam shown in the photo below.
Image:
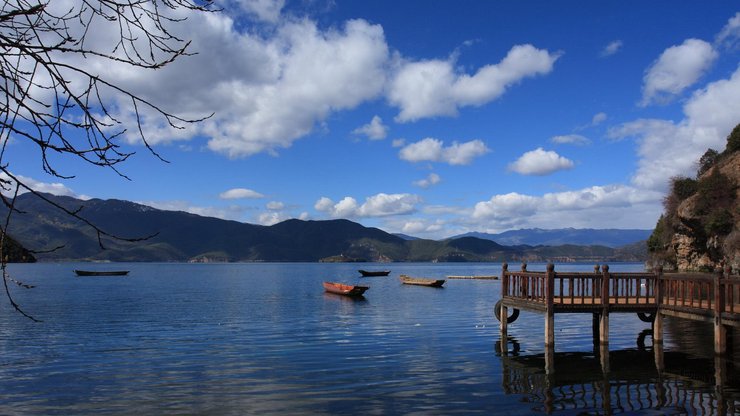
(604, 316)
(720, 332)
(550, 311)
(658, 328)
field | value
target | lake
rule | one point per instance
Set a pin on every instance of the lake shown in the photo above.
(265, 338)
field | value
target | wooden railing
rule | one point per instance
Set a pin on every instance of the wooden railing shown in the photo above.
(720, 292)
(579, 288)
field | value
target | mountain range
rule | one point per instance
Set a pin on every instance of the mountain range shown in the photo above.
(577, 236)
(181, 236)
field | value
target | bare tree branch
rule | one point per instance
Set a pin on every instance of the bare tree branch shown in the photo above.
(68, 110)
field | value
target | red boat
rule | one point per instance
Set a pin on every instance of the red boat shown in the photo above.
(347, 290)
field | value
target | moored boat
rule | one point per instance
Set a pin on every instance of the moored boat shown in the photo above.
(408, 280)
(346, 290)
(370, 273)
(101, 272)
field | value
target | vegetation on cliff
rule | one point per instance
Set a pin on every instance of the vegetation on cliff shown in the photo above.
(16, 253)
(699, 229)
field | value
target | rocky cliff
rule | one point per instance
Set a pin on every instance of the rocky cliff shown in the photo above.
(700, 229)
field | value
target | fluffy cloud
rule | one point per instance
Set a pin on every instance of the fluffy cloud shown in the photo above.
(265, 91)
(375, 130)
(240, 193)
(379, 205)
(267, 10)
(232, 212)
(275, 205)
(271, 218)
(598, 118)
(667, 149)
(54, 188)
(433, 150)
(540, 162)
(434, 88)
(430, 180)
(729, 37)
(612, 48)
(596, 206)
(677, 68)
(575, 139)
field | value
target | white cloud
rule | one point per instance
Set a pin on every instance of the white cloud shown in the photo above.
(267, 10)
(430, 180)
(540, 162)
(379, 205)
(433, 88)
(375, 130)
(275, 206)
(271, 218)
(667, 149)
(416, 227)
(265, 89)
(677, 68)
(433, 150)
(729, 36)
(240, 193)
(54, 188)
(232, 212)
(398, 143)
(575, 139)
(612, 48)
(598, 118)
(595, 207)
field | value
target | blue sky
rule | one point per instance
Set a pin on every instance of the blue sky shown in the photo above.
(430, 118)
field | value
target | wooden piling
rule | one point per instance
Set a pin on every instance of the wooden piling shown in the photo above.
(550, 309)
(658, 322)
(720, 333)
(604, 317)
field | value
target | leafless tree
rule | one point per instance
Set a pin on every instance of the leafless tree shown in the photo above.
(63, 108)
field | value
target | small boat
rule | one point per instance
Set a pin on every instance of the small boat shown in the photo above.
(407, 280)
(101, 273)
(367, 273)
(347, 290)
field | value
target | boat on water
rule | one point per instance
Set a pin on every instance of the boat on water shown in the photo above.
(101, 272)
(370, 273)
(420, 281)
(346, 290)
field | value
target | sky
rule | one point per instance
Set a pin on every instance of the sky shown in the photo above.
(429, 118)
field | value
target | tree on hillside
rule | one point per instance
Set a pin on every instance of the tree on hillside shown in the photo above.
(66, 109)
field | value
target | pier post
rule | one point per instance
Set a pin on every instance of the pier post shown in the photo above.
(658, 322)
(720, 332)
(550, 310)
(504, 313)
(604, 318)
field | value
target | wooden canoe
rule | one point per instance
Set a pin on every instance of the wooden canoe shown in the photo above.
(346, 290)
(369, 273)
(101, 273)
(407, 280)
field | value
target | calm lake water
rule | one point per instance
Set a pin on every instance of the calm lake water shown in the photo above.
(266, 339)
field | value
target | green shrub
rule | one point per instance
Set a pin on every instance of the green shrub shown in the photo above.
(683, 187)
(708, 159)
(733, 140)
(718, 222)
(660, 236)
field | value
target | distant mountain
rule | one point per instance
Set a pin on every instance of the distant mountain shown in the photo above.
(556, 237)
(406, 237)
(181, 236)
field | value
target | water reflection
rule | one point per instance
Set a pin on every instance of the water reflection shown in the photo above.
(646, 379)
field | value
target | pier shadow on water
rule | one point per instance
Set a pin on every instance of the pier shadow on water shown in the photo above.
(647, 380)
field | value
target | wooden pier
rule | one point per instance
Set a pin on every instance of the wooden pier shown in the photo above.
(706, 297)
